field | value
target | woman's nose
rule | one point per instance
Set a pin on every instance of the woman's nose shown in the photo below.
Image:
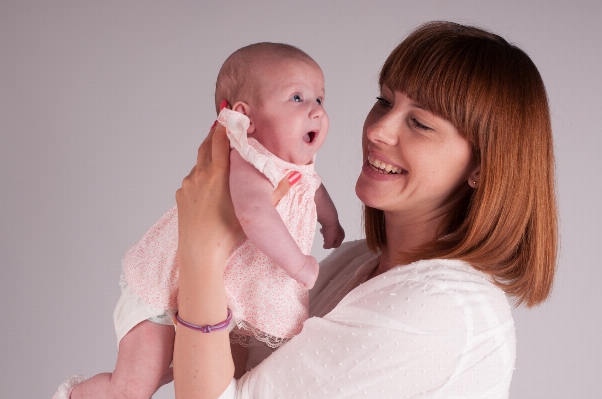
(384, 131)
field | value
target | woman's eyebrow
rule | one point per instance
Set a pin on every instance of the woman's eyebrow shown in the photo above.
(416, 105)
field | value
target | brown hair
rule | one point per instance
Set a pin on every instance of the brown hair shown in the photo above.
(239, 75)
(492, 92)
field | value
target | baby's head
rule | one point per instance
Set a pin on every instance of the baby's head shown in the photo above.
(281, 90)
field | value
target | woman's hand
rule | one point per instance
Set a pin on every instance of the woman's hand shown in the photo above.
(206, 219)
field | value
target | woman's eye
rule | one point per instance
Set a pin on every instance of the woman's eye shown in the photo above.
(419, 125)
(297, 98)
(384, 103)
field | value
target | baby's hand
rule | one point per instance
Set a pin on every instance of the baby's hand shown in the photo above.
(308, 273)
(333, 235)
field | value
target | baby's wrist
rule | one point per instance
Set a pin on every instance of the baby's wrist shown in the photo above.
(331, 225)
(308, 272)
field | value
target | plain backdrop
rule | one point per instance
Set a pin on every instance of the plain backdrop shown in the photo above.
(103, 105)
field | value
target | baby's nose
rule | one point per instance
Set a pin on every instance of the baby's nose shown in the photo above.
(317, 111)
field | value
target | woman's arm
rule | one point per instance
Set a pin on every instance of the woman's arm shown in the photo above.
(207, 230)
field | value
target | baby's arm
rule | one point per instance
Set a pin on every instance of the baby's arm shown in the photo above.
(252, 198)
(331, 230)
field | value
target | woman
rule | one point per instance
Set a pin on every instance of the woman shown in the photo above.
(458, 187)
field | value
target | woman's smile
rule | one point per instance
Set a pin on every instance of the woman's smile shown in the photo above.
(406, 164)
(384, 167)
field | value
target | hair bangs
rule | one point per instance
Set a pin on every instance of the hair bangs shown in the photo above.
(449, 75)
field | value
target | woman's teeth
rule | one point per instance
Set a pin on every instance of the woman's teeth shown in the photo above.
(383, 167)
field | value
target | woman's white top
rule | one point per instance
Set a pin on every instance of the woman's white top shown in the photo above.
(430, 329)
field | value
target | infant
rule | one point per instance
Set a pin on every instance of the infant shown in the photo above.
(276, 125)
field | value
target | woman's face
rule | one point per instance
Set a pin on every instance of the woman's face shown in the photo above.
(415, 163)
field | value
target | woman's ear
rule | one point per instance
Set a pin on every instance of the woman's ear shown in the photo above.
(475, 177)
(244, 109)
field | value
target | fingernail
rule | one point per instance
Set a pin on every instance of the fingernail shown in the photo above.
(294, 177)
(214, 125)
(223, 105)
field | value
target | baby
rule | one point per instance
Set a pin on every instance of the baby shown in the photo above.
(276, 126)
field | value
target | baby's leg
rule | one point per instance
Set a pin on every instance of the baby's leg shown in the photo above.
(145, 354)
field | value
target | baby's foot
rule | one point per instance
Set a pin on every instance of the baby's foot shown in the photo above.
(308, 273)
(66, 387)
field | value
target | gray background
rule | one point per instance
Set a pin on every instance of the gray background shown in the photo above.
(102, 108)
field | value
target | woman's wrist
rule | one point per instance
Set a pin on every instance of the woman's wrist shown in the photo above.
(202, 296)
(205, 328)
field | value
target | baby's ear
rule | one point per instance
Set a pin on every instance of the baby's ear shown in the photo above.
(244, 109)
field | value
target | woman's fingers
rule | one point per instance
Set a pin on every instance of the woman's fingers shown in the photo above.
(220, 148)
(205, 211)
(285, 184)
(220, 153)
(204, 153)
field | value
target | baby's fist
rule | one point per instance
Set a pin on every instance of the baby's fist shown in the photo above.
(333, 235)
(308, 273)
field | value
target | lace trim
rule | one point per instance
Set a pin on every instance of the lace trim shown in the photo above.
(243, 333)
(242, 340)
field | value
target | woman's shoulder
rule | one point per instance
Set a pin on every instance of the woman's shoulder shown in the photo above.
(437, 285)
(453, 278)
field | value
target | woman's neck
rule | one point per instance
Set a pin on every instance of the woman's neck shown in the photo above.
(405, 235)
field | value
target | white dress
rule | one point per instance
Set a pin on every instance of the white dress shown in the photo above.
(430, 329)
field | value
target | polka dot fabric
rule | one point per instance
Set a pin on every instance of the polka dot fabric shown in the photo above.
(150, 267)
(430, 329)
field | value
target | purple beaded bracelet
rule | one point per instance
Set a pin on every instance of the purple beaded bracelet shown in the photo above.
(206, 329)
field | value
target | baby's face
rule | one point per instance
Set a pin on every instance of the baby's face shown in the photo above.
(290, 120)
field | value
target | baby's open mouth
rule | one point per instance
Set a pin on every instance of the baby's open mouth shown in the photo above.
(309, 137)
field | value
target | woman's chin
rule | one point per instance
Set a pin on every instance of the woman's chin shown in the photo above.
(371, 183)
(367, 194)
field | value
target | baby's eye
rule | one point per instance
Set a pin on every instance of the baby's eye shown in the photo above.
(297, 98)
(319, 101)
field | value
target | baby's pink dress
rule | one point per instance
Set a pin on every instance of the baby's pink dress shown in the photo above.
(265, 302)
